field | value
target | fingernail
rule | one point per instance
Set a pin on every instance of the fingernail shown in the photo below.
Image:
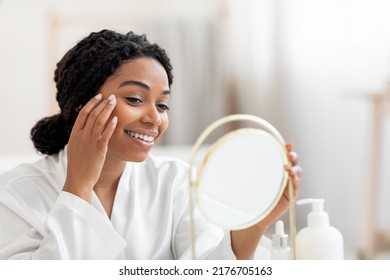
(99, 96)
(114, 120)
(112, 99)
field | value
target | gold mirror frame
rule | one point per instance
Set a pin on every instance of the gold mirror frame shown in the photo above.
(194, 180)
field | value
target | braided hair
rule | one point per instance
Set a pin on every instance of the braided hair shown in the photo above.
(81, 73)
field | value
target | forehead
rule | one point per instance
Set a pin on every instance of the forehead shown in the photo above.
(147, 70)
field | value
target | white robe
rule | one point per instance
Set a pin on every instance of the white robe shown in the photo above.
(149, 218)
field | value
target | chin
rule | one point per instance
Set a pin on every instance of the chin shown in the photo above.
(128, 157)
(136, 158)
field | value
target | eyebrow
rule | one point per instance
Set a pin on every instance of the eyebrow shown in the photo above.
(140, 84)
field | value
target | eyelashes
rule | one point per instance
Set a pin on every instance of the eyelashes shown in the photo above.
(164, 107)
(136, 101)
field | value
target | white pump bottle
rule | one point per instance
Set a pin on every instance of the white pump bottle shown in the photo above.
(319, 240)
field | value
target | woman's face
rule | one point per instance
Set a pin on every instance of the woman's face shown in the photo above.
(142, 92)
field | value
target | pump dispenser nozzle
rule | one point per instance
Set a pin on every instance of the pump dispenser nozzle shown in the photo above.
(317, 217)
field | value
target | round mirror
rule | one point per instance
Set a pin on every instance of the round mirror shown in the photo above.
(241, 178)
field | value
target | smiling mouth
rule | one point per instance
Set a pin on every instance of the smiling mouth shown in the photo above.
(146, 138)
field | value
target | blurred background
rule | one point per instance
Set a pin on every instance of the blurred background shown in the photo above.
(317, 70)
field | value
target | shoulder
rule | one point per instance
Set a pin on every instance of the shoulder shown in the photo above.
(44, 171)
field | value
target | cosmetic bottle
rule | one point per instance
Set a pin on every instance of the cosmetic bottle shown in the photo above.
(319, 240)
(280, 249)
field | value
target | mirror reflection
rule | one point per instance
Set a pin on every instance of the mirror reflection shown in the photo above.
(223, 198)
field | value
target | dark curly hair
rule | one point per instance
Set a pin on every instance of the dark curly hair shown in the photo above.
(81, 73)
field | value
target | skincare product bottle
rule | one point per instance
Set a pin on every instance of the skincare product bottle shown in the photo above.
(280, 249)
(319, 240)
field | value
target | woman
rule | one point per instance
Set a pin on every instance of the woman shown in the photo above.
(98, 194)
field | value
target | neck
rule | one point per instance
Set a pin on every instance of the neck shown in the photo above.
(107, 184)
(110, 175)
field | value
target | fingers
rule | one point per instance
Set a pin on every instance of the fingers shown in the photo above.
(85, 111)
(293, 157)
(296, 181)
(289, 146)
(295, 174)
(93, 117)
(295, 171)
(106, 135)
(97, 120)
(296, 184)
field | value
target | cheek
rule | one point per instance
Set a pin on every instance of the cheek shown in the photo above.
(118, 110)
(164, 123)
(125, 114)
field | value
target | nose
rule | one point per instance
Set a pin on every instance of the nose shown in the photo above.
(152, 116)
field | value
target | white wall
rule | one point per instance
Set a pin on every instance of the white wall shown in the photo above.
(23, 69)
(332, 50)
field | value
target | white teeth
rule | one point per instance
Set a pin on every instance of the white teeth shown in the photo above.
(145, 138)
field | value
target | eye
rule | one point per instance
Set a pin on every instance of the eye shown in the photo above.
(163, 107)
(134, 100)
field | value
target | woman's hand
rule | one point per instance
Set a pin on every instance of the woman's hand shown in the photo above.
(88, 145)
(244, 242)
(295, 173)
